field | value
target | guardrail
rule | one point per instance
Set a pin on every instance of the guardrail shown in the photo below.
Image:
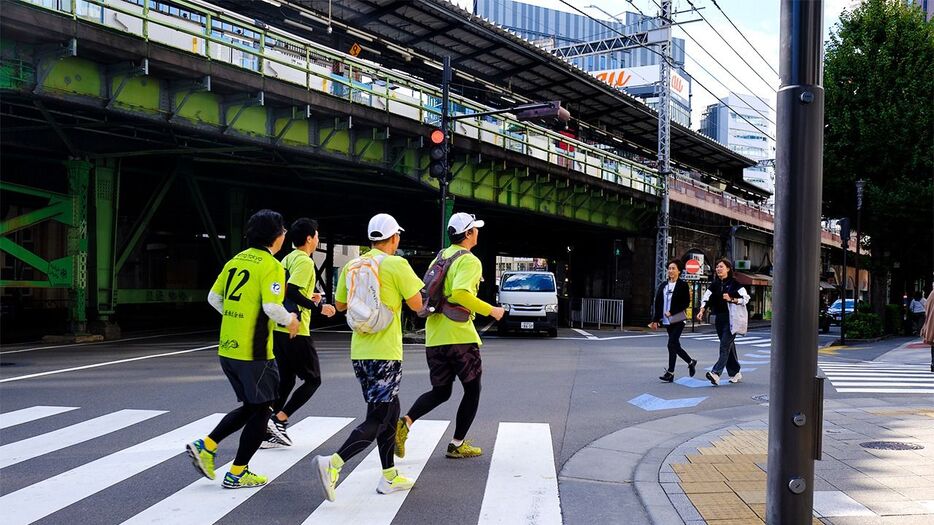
(216, 34)
(601, 312)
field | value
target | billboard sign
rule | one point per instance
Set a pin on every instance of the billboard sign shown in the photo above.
(632, 77)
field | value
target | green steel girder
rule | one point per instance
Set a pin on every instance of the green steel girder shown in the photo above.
(192, 102)
(60, 271)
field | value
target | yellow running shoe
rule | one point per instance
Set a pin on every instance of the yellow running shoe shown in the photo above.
(245, 480)
(201, 458)
(402, 433)
(396, 482)
(466, 450)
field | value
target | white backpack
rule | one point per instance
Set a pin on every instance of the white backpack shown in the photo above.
(366, 313)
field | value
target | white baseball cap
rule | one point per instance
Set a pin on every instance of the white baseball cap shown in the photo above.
(382, 226)
(463, 222)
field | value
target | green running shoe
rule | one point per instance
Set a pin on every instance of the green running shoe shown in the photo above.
(397, 483)
(246, 480)
(402, 433)
(466, 450)
(201, 458)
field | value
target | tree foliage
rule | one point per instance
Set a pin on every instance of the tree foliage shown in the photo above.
(879, 126)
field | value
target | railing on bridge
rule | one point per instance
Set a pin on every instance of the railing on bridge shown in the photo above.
(217, 34)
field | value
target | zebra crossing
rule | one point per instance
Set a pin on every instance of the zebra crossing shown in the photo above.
(521, 485)
(879, 378)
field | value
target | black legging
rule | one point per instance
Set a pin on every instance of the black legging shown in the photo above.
(380, 424)
(298, 398)
(252, 419)
(439, 394)
(674, 345)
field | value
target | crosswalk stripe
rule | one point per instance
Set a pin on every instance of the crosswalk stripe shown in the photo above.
(889, 390)
(522, 486)
(53, 494)
(357, 499)
(925, 376)
(753, 340)
(25, 415)
(205, 502)
(883, 382)
(29, 448)
(762, 345)
(886, 371)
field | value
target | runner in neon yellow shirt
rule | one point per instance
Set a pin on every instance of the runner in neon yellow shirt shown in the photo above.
(452, 347)
(377, 363)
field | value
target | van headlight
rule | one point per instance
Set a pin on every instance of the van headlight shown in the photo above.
(551, 308)
(506, 307)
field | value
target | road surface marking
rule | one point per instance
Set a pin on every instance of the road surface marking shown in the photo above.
(522, 487)
(18, 417)
(29, 448)
(204, 502)
(357, 499)
(585, 333)
(652, 403)
(888, 390)
(113, 341)
(69, 487)
(108, 363)
(871, 377)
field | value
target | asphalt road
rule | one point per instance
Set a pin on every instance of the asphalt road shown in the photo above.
(579, 385)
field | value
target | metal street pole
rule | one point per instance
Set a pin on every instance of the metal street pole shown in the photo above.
(846, 247)
(795, 411)
(443, 182)
(860, 185)
(664, 143)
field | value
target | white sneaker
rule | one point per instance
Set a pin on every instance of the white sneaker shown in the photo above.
(325, 477)
(398, 483)
(737, 378)
(713, 378)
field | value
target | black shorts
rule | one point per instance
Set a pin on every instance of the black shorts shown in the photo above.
(255, 382)
(296, 356)
(447, 361)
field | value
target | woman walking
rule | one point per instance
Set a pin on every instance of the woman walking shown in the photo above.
(724, 291)
(671, 301)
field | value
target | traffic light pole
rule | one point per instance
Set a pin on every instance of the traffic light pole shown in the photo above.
(443, 181)
(664, 146)
(795, 402)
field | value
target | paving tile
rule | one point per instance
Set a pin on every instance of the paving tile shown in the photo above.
(751, 475)
(721, 506)
(905, 482)
(752, 496)
(923, 493)
(685, 508)
(888, 508)
(672, 488)
(709, 458)
(865, 496)
(746, 485)
(746, 521)
(836, 503)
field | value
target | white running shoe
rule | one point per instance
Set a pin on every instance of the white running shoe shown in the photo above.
(398, 482)
(737, 378)
(713, 378)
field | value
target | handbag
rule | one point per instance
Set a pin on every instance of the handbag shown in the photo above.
(678, 317)
(739, 318)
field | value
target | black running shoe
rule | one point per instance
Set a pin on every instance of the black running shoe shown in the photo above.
(277, 429)
(667, 377)
(692, 367)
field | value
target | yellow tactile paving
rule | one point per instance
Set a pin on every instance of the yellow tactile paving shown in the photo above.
(705, 487)
(690, 473)
(750, 521)
(722, 506)
(709, 458)
(738, 486)
(902, 412)
(752, 496)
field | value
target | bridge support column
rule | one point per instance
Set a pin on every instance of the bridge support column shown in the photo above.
(78, 181)
(236, 199)
(106, 180)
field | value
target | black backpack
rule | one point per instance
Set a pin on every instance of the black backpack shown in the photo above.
(433, 299)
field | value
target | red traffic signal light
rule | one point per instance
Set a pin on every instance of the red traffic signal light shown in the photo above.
(437, 136)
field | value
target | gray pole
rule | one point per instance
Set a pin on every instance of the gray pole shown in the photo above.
(794, 409)
(860, 185)
(443, 182)
(664, 144)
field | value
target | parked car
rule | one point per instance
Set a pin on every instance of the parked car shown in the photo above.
(531, 302)
(835, 310)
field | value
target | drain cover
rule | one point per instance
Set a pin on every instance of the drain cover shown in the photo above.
(890, 445)
(762, 398)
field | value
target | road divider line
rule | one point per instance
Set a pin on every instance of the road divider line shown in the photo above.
(585, 333)
(204, 502)
(522, 485)
(35, 446)
(357, 499)
(108, 363)
(25, 415)
(46, 497)
(114, 341)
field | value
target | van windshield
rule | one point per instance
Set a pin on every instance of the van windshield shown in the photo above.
(527, 282)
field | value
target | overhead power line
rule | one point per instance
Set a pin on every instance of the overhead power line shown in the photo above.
(719, 34)
(744, 37)
(694, 79)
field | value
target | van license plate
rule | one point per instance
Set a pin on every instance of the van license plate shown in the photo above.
(528, 326)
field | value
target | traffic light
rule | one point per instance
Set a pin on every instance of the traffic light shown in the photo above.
(438, 154)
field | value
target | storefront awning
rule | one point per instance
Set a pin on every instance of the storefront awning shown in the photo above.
(753, 279)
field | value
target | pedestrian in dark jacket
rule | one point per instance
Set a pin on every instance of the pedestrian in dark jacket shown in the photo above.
(671, 302)
(724, 291)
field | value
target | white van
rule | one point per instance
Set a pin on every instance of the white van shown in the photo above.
(531, 302)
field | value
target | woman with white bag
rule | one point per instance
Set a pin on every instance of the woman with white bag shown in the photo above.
(727, 299)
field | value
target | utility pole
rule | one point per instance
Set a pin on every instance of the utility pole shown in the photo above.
(845, 244)
(443, 181)
(795, 398)
(664, 141)
(860, 185)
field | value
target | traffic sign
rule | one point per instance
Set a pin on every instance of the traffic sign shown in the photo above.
(692, 266)
(355, 50)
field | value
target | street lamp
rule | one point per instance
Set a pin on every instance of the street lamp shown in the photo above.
(860, 185)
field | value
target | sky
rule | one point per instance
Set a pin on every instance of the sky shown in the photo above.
(758, 20)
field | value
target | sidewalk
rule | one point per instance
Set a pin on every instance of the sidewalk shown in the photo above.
(710, 467)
